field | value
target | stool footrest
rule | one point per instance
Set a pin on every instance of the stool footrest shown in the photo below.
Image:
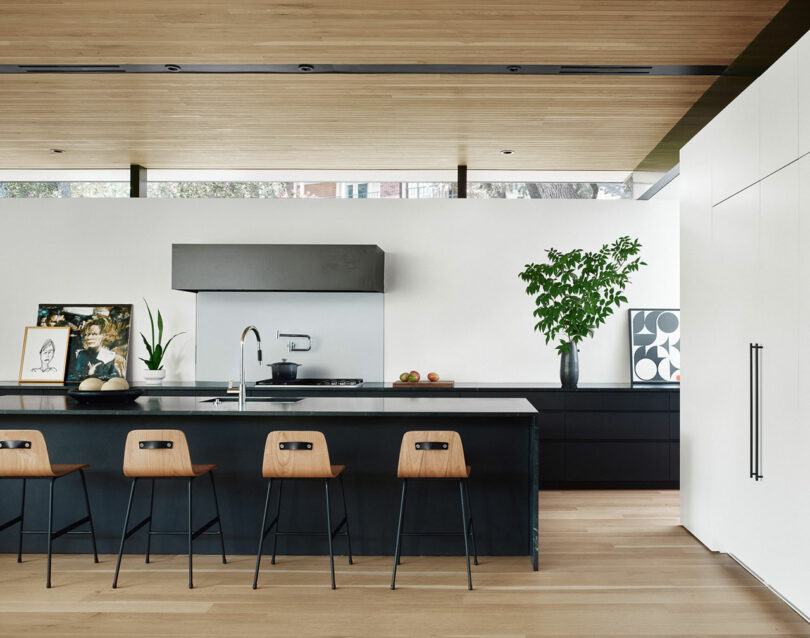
(137, 527)
(70, 527)
(13, 521)
(270, 527)
(205, 527)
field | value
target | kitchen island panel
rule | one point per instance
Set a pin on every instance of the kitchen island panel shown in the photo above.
(500, 449)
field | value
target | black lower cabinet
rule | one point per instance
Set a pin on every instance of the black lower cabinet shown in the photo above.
(608, 439)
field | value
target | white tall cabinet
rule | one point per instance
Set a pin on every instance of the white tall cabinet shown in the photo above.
(745, 278)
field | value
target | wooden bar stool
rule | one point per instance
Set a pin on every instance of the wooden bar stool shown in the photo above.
(300, 455)
(435, 454)
(24, 455)
(163, 454)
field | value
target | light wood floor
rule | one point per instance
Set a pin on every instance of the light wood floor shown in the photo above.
(612, 564)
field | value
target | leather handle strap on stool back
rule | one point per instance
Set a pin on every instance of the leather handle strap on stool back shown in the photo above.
(431, 454)
(157, 453)
(24, 453)
(296, 454)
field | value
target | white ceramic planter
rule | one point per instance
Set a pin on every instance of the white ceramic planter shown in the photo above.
(154, 377)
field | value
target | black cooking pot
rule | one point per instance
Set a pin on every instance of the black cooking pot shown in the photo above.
(284, 370)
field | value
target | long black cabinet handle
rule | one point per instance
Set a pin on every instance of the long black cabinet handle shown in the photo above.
(757, 393)
(751, 410)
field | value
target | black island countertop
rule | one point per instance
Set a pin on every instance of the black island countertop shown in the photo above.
(30, 404)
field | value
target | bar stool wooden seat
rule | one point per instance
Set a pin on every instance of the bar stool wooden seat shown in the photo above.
(163, 454)
(435, 454)
(24, 455)
(300, 455)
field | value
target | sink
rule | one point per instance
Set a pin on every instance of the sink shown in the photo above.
(254, 400)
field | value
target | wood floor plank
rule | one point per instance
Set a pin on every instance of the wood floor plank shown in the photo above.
(612, 564)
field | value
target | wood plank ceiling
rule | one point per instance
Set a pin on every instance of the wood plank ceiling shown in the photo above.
(357, 121)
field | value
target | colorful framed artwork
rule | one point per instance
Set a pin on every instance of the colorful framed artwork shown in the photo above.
(99, 338)
(44, 355)
(655, 345)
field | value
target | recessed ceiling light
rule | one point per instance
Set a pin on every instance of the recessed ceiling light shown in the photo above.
(506, 151)
(57, 150)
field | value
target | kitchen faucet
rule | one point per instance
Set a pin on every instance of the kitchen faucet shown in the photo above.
(242, 391)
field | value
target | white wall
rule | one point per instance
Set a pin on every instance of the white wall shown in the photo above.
(454, 303)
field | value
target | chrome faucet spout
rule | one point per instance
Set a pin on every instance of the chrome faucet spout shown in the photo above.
(242, 390)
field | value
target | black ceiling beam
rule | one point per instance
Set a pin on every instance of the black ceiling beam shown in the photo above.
(369, 69)
(787, 26)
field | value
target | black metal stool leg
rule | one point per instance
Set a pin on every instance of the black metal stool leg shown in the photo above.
(190, 538)
(216, 507)
(149, 529)
(22, 522)
(399, 533)
(472, 525)
(262, 534)
(50, 532)
(464, 531)
(90, 516)
(329, 531)
(278, 521)
(124, 532)
(346, 516)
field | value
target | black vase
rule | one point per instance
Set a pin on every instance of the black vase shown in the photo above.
(569, 366)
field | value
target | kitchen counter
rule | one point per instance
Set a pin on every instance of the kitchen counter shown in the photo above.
(220, 387)
(312, 406)
(364, 433)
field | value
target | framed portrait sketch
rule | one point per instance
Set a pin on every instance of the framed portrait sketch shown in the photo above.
(44, 355)
(655, 345)
(99, 338)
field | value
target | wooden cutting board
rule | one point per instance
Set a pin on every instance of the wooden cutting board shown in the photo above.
(420, 385)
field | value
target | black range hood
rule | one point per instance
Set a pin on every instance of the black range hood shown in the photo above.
(278, 267)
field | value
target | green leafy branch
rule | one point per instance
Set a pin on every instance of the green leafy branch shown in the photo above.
(156, 349)
(578, 290)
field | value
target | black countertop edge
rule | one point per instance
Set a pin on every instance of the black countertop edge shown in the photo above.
(21, 404)
(215, 387)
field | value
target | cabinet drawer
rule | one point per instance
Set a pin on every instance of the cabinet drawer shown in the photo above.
(617, 462)
(674, 462)
(639, 399)
(551, 425)
(617, 425)
(552, 461)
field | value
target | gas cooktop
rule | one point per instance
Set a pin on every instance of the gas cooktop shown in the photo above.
(311, 382)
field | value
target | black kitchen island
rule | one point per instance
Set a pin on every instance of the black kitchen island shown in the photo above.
(364, 433)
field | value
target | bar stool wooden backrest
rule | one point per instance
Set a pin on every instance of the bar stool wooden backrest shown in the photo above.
(157, 453)
(23, 453)
(431, 454)
(296, 454)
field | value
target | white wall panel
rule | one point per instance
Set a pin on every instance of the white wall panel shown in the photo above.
(803, 73)
(735, 157)
(778, 114)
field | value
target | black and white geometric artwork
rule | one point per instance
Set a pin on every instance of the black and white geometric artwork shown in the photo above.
(655, 345)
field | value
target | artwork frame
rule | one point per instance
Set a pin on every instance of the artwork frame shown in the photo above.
(99, 338)
(44, 354)
(655, 346)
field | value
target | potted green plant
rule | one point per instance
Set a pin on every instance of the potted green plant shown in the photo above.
(155, 373)
(575, 292)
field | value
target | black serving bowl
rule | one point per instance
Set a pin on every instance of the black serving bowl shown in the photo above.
(104, 396)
